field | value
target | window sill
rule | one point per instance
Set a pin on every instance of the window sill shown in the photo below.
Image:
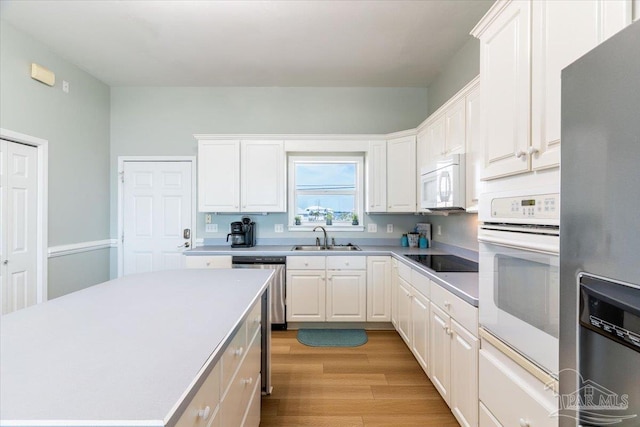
(332, 228)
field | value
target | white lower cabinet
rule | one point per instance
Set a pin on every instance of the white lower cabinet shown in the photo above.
(453, 353)
(510, 394)
(230, 395)
(379, 280)
(403, 318)
(326, 289)
(420, 329)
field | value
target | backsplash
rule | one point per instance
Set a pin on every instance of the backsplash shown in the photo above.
(458, 230)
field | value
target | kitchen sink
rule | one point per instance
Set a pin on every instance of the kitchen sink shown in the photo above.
(337, 248)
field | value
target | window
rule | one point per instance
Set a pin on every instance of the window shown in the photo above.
(325, 190)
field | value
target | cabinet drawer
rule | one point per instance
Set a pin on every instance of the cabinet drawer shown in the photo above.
(252, 417)
(421, 283)
(404, 271)
(502, 380)
(254, 320)
(233, 355)
(208, 261)
(464, 313)
(306, 263)
(204, 406)
(236, 399)
(346, 263)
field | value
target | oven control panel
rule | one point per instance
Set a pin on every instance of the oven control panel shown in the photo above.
(541, 206)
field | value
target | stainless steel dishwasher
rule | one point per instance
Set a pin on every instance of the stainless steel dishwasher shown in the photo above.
(277, 288)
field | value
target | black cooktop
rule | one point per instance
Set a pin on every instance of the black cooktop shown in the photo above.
(446, 263)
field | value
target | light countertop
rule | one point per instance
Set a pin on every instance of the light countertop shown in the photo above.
(463, 285)
(122, 353)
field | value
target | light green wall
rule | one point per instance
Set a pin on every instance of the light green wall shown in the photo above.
(77, 128)
(460, 70)
(71, 273)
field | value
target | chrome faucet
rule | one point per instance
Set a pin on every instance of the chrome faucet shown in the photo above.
(326, 240)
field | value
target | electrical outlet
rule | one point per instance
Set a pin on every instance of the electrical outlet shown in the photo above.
(389, 228)
(211, 228)
(372, 228)
(65, 86)
(207, 218)
(439, 230)
(278, 228)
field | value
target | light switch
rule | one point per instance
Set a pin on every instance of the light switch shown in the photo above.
(372, 228)
(211, 228)
(278, 228)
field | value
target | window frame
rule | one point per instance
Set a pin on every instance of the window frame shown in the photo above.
(294, 158)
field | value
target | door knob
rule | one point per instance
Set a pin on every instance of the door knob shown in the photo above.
(184, 245)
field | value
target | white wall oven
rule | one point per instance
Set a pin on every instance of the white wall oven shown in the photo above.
(519, 272)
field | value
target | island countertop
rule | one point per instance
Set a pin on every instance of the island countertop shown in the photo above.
(126, 352)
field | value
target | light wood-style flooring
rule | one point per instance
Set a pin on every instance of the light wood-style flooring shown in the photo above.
(377, 384)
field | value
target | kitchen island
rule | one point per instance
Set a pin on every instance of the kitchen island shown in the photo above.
(133, 351)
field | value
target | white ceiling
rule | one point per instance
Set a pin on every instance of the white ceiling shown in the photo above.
(393, 43)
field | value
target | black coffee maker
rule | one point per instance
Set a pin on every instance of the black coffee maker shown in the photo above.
(243, 233)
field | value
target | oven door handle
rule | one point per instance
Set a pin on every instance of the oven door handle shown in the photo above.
(529, 242)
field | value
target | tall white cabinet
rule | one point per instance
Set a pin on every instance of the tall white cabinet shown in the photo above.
(241, 176)
(523, 47)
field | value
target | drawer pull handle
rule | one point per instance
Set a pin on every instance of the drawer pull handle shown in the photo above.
(238, 351)
(524, 423)
(204, 413)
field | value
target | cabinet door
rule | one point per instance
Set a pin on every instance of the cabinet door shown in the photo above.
(263, 176)
(394, 292)
(504, 67)
(437, 136)
(422, 161)
(464, 376)
(420, 329)
(440, 351)
(347, 296)
(219, 176)
(306, 295)
(401, 174)
(378, 289)
(377, 177)
(474, 149)
(455, 128)
(404, 310)
(563, 31)
(486, 418)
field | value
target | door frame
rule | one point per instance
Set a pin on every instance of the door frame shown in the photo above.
(152, 159)
(42, 209)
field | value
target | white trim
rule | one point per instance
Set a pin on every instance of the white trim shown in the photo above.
(42, 234)
(194, 199)
(288, 136)
(455, 98)
(76, 248)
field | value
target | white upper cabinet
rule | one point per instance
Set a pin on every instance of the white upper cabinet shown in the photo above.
(562, 32)
(524, 45)
(263, 176)
(377, 177)
(219, 176)
(241, 176)
(455, 132)
(401, 174)
(435, 143)
(504, 68)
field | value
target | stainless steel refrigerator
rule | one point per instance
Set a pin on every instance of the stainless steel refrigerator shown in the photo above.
(600, 236)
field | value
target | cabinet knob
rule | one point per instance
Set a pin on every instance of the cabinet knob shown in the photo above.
(306, 264)
(447, 330)
(238, 351)
(447, 304)
(523, 422)
(204, 413)
(533, 151)
(520, 153)
(247, 381)
(346, 263)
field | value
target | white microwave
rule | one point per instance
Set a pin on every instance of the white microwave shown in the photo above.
(442, 185)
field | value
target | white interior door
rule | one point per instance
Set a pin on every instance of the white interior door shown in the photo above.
(18, 234)
(157, 209)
